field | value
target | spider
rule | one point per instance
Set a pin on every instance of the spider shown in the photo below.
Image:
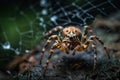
(71, 38)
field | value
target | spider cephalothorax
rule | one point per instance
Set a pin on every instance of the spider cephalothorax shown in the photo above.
(71, 38)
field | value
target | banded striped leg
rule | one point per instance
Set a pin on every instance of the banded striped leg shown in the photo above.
(87, 30)
(53, 30)
(106, 50)
(62, 47)
(81, 48)
(53, 37)
(84, 46)
(48, 59)
(95, 55)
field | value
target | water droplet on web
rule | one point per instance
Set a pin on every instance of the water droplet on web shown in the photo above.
(44, 26)
(41, 19)
(8, 72)
(27, 51)
(44, 12)
(43, 3)
(17, 51)
(6, 45)
(73, 4)
(41, 24)
(53, 18)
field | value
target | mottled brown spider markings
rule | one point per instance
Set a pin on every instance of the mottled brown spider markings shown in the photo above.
(71, 38)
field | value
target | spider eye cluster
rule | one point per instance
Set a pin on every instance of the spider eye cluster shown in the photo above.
(71, 31)
(67, 30)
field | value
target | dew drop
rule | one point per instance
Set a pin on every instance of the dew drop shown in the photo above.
(53, 18)
(6, 45)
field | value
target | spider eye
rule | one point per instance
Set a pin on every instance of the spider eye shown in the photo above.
(66, 30)
(75, 30)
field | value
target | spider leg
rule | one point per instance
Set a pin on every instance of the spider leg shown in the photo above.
(81, 48)
(89, 30)
(48, 59)
(85, 46)
(63, 47)
(86, 30)
(53, 37)
(53, 30)
(95, 55)
(55, 45)
(106, 50)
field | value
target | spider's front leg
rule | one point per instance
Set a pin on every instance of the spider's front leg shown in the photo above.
(89, 30)
(85, 46)
(55, 45)
(53, 37)
(57, 40)
(48, 59)
(82, 47)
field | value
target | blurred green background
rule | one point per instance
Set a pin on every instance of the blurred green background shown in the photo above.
(19, 28)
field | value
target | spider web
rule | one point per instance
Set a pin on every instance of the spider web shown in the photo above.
(81, 14)
(50, 13)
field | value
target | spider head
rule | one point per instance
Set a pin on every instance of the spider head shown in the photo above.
(72, 32)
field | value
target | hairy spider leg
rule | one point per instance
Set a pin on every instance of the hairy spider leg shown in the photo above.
(87, 30)
(53, 37)
(55, 45)
(48, 59)
(106, 50)
(83, 46)
(95, 55)
(95, 52)
(94, 47)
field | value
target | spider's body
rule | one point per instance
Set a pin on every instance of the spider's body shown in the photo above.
(71, 38)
